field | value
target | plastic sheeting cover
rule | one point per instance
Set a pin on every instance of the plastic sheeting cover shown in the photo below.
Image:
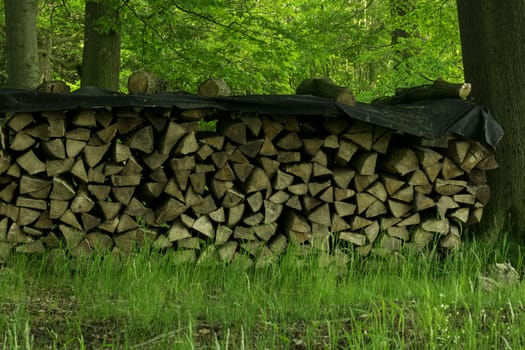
(427, 118)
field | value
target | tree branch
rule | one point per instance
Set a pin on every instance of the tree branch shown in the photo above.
(230, 26)
(145, 22)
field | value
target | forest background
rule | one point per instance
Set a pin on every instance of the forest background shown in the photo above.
(258, 47)
(266, 47)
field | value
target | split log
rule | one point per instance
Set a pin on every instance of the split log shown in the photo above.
(400, 161)
(362, 139)
(19, 121)
(54, 86)
(324, 87)
(21, 142)
(438, 89)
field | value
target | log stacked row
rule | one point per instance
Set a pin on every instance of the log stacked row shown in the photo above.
(105, 179)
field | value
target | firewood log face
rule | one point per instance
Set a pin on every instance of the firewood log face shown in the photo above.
(248, 189)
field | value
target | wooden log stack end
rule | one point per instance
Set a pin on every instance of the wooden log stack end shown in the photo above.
(212, 87)
(142, 82)
(249, 189)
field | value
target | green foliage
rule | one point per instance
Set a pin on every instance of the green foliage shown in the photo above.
(270, 46)
(60, 32)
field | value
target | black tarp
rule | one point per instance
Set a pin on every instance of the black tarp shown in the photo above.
(428, 118)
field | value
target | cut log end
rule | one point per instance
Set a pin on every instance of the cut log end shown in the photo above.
(141, 82)
(214, 87)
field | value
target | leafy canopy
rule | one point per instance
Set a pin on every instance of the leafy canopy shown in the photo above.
(268, 46)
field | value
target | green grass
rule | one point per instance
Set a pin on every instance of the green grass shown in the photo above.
(412, 301)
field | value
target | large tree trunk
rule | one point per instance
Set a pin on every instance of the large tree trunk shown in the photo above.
(493, 42)
(101, 55)
(22, 47)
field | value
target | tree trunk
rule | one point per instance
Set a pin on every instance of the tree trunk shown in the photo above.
(400, 11)
(493, 42)
(101, 55)
(22, 47)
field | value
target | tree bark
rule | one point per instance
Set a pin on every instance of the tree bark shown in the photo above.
(101, 55)
(22, 44)
(324, 87)
(399, 10)
(493, 42)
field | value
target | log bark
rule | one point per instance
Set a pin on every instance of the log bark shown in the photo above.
(324, 87)
(438, 89)
(487, 30)
(22, 44)
(101, 54)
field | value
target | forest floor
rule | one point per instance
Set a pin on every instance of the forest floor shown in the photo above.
(146, 301)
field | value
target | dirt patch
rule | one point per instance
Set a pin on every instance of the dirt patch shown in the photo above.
(54, 321)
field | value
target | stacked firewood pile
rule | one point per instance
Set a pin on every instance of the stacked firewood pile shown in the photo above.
(109, 179)
(348, 181)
